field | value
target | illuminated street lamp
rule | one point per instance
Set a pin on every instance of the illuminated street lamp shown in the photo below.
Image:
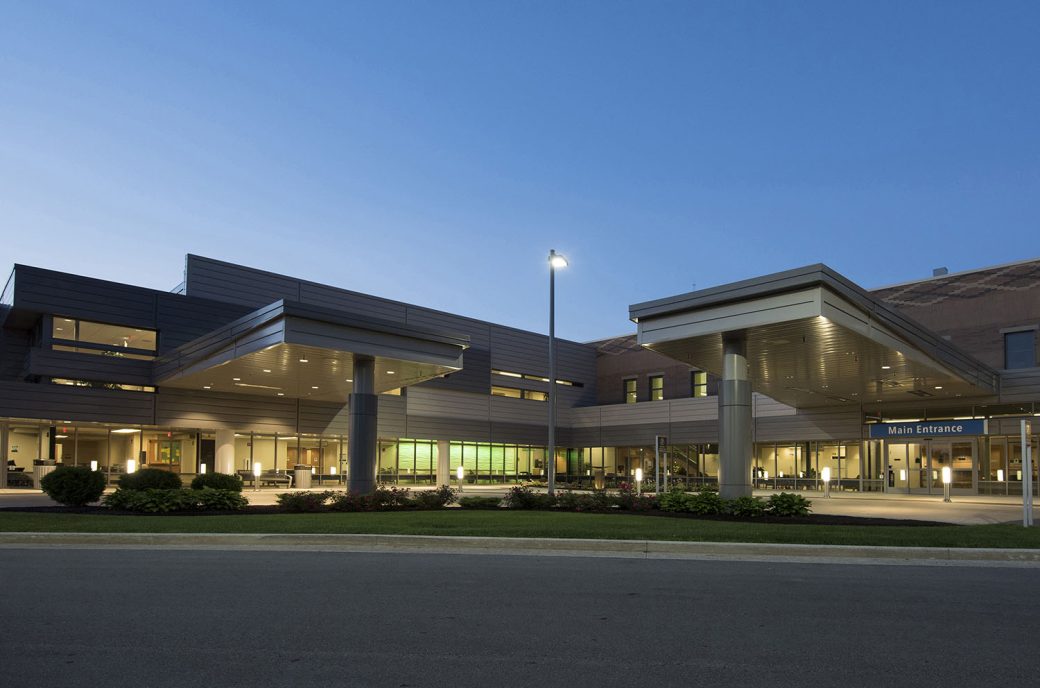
(555, 261)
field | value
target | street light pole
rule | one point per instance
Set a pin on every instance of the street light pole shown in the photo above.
(555, 261)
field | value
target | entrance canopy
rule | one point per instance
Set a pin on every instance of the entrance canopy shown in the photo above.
(814, 338)
(297, 350)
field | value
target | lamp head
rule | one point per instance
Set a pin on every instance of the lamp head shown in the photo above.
(556, 260)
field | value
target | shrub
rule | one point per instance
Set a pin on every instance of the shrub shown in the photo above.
(344, 501)
(210, 498)
(704, 503)
(788, 504)
(577, 501)
(73, 485)
(159, 501)
(390, 497)
(151, 501)
(150, 479)
(303, 502)
(218, 481)
(629, 499)
(674, 500)
(744, 507)
(479, 502)
(520, 497)
(435, 499)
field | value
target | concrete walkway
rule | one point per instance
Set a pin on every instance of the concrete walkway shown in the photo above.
(964, 510)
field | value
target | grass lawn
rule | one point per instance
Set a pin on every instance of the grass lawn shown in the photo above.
(531, 524)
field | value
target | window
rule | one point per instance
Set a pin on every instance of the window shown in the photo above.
(699, 383)
(656, 387)
(630, 391)
(514, 393)
(536, 378)
(101, 385)
(1020, 349)
(101, 339)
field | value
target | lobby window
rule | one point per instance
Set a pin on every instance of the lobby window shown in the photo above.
(656, 387)
(698, 383)
(1020, 349)
(630, 391)
(506, 392)
(85, 336)
(101, 385)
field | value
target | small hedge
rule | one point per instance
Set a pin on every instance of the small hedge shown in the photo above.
(150, 479)
(73, 485)
(382, 499)
(709, 503)
(160, 501)
(218, 481)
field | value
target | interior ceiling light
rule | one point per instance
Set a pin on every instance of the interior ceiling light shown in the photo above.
(304, 360)
(349, 380)
(938, 386)
(281, 394)
(390, 372)
(267, 370)
(886, 367)
(314, 386)
(236, 379)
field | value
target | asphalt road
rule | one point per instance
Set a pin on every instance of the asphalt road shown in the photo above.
(147, 618)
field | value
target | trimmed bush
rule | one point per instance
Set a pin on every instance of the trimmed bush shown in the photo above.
(674, 500)
(391, 497)
(479, 502)
(344, 501)
(577, 501)
(150, 479)
(744, 507)
(435, 499)
(73, 485)
(218, 481)
(704, 503)
(521, 497)
(303, 502)
(158, 501)
(788, 504)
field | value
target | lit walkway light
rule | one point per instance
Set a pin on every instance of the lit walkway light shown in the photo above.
(947, 478)
(555, 261)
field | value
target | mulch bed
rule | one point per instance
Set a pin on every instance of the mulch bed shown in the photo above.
(812, 519)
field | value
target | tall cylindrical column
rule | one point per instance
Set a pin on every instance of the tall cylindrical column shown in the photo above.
(363, 443)
(551, 452)
(444, 462)
(225, 452)
(734, 419)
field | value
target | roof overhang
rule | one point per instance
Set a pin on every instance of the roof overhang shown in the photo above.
(814, 338)
(301, 351)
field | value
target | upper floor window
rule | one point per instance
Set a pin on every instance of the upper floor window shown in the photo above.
(699, 383)
(656, 387)
(630, 391)
(86, 336)
(1020, 349)
(515, 393)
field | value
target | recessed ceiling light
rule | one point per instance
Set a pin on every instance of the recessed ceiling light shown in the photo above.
(349, 379)
(281, 394)
(886, 367)
(303, 360)
(237, 379)
(205, 387)
(390, 372)
(267, 370)
(314, 387)
(938, 386)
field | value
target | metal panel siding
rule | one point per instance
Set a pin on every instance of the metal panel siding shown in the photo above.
(448, 429)
(326, 418)
(392, 420)
(47, 291)
(237, 284)
(508, 410)
(59, 402)
(519, 433)
(474, 377)
(1020, 386)
(180, 319)
(14, 350)
(479, 332)
(186, 408)
(442, 404)
(78, 366)
(810, 426)
(353, 302)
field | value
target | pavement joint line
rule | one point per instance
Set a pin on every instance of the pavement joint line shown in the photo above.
(531, 546)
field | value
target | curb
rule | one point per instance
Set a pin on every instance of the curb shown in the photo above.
(646, 549)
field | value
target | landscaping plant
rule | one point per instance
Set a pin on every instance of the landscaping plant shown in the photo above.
(73, 485)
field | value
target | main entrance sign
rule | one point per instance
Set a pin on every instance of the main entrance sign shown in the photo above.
(930, 428)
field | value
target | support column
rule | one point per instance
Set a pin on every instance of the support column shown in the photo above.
(362, 443)
(444, 462)
(224, 454)
(734, 419)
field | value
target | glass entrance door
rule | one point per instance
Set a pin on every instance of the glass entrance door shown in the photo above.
(907, 470)
(959, 457)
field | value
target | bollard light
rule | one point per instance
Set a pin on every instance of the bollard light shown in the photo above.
(826, 481)
(639, 475)
(902, 475)
(1000, 475)
(131, 465)
(332, 470)
(314, 470)
(256, 476)
(765, 475)
(947, 478)
(460, 473)
(202, 468)
(93, 465)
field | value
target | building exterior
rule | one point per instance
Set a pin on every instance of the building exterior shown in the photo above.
(238, 366)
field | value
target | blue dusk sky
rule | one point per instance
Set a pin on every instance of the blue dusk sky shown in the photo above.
(433, 152)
